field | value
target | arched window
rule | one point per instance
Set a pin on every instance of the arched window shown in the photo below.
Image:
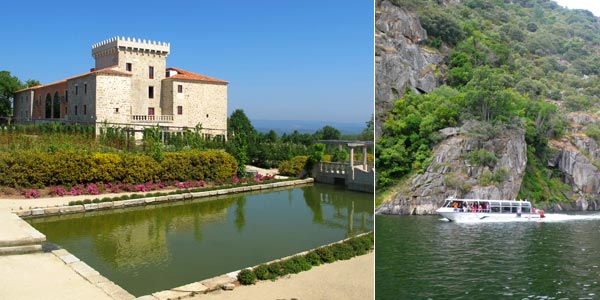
(48, 106)
(56, 106)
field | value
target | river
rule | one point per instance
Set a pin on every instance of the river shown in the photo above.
(425, 257)
(153, 248)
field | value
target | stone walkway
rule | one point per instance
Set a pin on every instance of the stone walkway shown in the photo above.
(43, 276)
(352, 279)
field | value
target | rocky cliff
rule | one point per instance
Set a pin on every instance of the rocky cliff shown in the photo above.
(401, 60)
(577, 157)
(457, 170)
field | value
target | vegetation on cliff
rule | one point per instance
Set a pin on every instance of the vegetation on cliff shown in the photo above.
(518, 63)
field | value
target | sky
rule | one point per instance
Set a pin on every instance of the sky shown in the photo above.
(284, 60)
(591, 5)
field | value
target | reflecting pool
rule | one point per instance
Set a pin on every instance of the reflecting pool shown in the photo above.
(157, 247)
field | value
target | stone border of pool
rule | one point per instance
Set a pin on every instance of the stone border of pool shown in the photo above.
(94, 277)
(225, 281)
(71, 209)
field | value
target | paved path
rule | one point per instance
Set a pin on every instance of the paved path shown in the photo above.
(43, 276)
(350, 279)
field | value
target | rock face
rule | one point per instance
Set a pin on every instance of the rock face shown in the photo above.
(400, 61)
(451, 174)
(577, 157)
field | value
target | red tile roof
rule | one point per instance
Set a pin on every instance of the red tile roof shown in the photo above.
(187, 75)
(108, 70)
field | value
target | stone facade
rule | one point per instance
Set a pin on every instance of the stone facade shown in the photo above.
(131, 86)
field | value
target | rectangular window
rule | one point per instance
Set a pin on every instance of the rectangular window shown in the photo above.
(84, 109)
(151, 92)
(75, 109)
(66, 95)
(180, 88)
(128, 67)
(151, 72)
(180, 110)
(76, 90)
(116, 110)
(167, 75)
(150, 113)
(66, 110)
(85, 89)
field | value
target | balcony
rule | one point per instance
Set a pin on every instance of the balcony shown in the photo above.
(151, 119)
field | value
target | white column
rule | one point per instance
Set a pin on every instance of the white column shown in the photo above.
(364, 152)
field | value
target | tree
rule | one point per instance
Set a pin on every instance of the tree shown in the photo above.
(368, 133)
(238, 123)
(8, 85)
(327, 133)
(488, 95)
(241, 136)
(31, 83)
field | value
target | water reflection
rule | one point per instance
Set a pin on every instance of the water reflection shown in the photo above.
(187, 241)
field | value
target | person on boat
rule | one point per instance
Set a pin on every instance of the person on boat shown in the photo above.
(455, 205)
(466, 207)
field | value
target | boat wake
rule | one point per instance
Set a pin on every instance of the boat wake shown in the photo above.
(550, 217)
(565, 217)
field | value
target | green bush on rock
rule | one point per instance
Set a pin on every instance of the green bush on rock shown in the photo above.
(339, 251)
(247, 277)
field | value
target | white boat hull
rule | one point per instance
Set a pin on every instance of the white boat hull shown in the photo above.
(456, 215)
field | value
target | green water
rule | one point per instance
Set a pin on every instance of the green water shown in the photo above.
(427, 258)
(153, 248)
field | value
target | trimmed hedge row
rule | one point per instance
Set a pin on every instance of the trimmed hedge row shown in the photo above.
(40, 169)
(294, 166)
(341, 251)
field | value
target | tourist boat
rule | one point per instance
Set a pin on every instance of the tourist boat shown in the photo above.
(468, 210)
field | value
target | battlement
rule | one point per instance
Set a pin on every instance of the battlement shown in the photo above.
(127, 43)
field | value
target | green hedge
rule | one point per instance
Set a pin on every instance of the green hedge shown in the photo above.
(39, 169)
(345, 250)
(293, 167)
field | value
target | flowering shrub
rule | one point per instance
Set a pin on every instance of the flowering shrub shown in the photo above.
(140, 188)
(111, 187)
(32, 194)
(57, 191)
(92, 189)
(260, 177)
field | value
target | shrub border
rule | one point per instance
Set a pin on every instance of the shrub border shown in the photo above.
(360, 245)
(151, 198)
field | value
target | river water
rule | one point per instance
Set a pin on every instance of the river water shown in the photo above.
(425, 257)
(153, 248)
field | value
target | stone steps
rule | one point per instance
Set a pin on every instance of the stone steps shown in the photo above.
(20, 249)
(17, 236)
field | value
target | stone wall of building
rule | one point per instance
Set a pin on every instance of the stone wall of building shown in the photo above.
(81, 105)
(201, 102)
(112, 98)
(168, 90)
(23, 106)
(140, 81)
(40, 95)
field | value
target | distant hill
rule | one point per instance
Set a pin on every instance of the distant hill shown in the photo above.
(305, 126)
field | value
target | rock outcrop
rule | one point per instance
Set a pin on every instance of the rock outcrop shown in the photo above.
(400, 60)
(577, 157)
(452, 174)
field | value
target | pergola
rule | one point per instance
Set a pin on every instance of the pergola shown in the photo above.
(352, 144)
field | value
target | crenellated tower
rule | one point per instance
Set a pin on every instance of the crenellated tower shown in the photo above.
(114, 51)
(145, 59)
